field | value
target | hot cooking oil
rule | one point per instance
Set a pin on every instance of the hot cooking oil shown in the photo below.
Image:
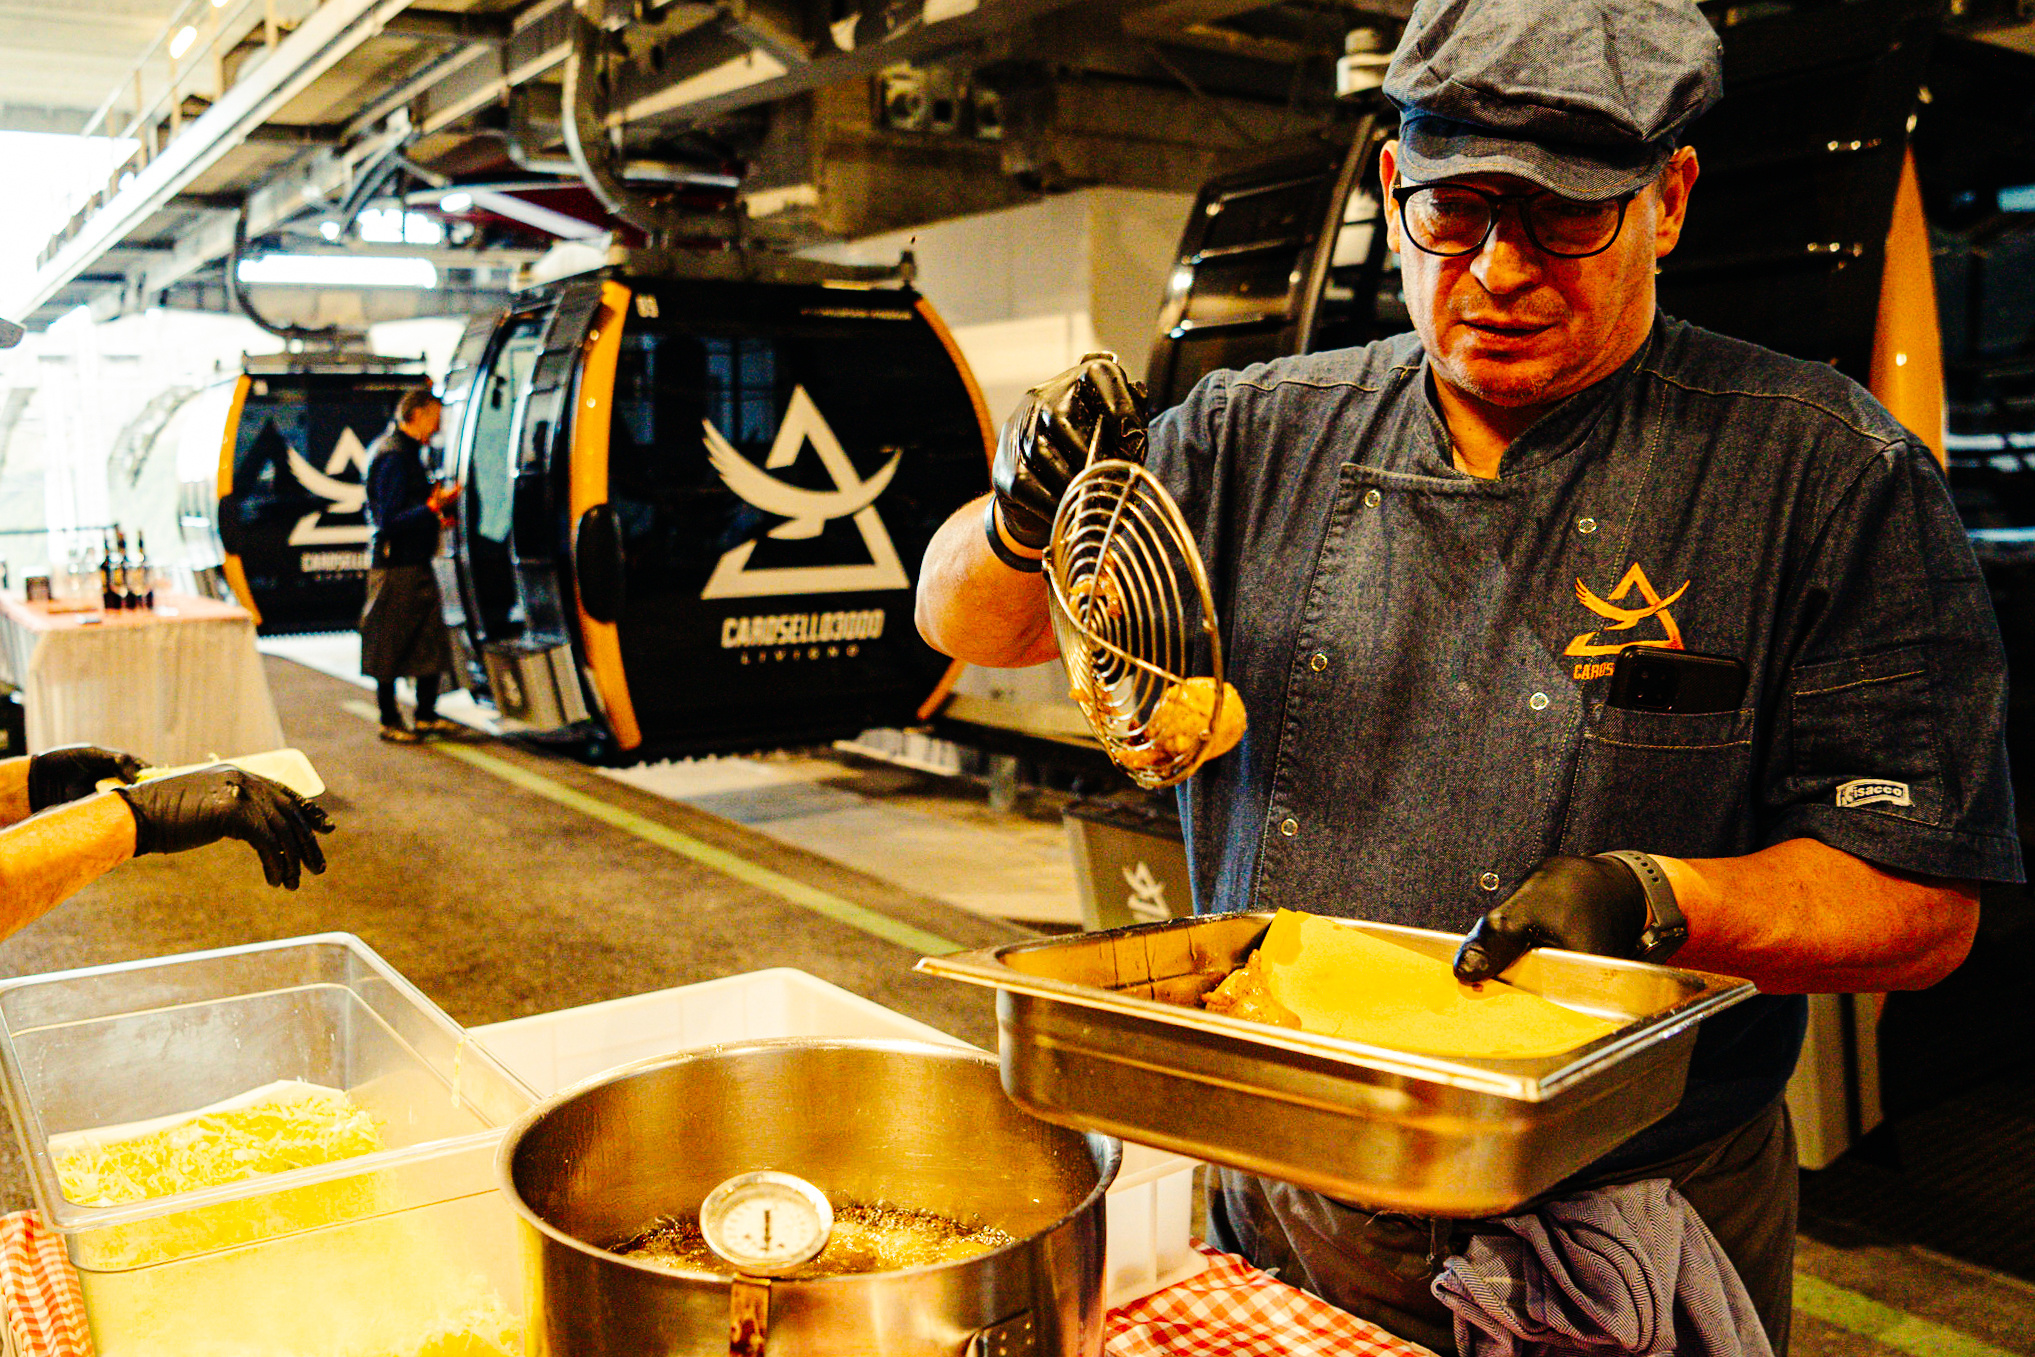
(866, 1238)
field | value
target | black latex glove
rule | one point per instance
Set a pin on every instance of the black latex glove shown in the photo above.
(1592, 905)
(190, 810)
(1045, 441)
(74, 770)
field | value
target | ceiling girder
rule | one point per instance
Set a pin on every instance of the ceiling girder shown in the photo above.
(658, 89)
(539, 44)
(444, 25)
(330, 33)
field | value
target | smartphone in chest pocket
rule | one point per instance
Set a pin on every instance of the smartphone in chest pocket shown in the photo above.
(1676, 682)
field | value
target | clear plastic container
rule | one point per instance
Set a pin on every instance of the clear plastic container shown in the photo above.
(404, 1252)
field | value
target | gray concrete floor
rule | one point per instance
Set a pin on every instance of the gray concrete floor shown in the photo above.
(499, 903)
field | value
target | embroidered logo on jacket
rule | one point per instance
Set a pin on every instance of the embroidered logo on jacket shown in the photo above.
(1624, 619)
(1867, 791)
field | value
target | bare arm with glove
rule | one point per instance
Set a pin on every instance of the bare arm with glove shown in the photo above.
(51, 856)
(1797, 918)
(55, 776)
(981, 595)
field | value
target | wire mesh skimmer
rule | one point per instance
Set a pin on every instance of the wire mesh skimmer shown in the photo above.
(1130, 599)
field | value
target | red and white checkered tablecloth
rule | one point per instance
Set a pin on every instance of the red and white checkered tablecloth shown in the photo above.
(45, 1314)
(1229, 1309)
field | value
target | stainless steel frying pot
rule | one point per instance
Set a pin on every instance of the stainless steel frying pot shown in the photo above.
(901, 1122)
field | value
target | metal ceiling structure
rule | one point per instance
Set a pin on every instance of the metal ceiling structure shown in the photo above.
(514, 125)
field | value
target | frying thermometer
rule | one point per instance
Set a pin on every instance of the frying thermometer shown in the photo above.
(764, 1224)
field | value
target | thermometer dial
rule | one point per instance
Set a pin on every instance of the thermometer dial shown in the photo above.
(766, 1224)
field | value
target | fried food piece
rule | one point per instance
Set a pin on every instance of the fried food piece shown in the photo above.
(1184, 713)
(1244, 994)
(1140, 758)
(1107, 595)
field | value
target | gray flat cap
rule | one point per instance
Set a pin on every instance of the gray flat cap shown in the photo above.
(1583, 97)
(10, 334)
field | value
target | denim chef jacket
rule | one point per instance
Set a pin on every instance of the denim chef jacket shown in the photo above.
(1424, 655)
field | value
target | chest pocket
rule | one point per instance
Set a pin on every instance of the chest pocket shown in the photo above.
(1661, 783)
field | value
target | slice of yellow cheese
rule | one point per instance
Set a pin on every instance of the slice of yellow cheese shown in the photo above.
(1343, 982)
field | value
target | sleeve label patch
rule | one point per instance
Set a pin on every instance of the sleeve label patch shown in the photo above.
(1867, 791)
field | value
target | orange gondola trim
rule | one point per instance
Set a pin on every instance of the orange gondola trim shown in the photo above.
(946, 337)
(1906, 373)
(229, 563)
(592, 421)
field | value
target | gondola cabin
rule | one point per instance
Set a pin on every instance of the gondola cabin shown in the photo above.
(693, 511)
(279, 505)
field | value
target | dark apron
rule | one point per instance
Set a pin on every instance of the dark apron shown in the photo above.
(402, 630)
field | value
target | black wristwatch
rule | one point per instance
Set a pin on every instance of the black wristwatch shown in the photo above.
(1666, 929)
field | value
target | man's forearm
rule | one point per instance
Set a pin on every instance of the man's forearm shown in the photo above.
(47, 859)
(974, 607)
(1802, 917)
(14, 791)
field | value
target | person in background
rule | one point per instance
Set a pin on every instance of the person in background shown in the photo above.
(402, 631)
(59, 832)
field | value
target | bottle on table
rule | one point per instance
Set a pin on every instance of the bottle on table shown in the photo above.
(110, 599)
(123, 578)
(131, 583)
(146, 583)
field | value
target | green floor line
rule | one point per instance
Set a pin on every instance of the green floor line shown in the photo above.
(1869, 1318)
(859, 917)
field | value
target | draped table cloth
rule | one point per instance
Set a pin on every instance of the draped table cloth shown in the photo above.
(175, 686)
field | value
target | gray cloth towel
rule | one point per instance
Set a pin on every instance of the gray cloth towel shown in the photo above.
(1630, 1269)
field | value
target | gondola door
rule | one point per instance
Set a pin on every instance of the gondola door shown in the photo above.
(507, 550)
(484, 394)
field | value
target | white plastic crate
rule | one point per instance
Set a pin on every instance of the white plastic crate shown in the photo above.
(551, 1050)
(1151, 1224)
(1150, 1205)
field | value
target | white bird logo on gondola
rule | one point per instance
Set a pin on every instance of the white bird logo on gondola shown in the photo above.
(805, 512)
(343, 498)
(348, 497)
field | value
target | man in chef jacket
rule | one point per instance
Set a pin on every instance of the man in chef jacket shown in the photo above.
(1427, 555)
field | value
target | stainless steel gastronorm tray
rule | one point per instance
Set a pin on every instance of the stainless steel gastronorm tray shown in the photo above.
(1105, 1031)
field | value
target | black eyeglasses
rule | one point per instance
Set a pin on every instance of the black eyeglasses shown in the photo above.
(1455, 219)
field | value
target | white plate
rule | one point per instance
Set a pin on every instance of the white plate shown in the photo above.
(287, 766)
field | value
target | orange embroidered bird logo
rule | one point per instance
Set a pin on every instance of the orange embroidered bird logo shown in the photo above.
(1624, 620)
